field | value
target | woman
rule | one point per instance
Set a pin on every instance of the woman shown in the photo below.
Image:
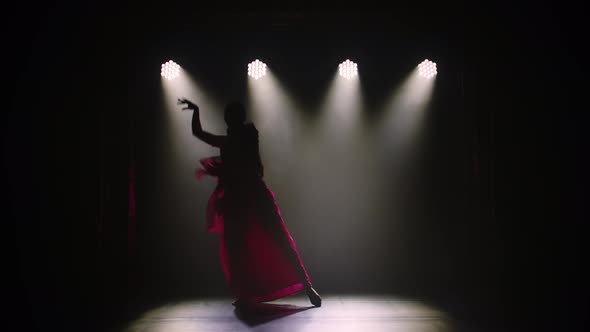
(259, 257)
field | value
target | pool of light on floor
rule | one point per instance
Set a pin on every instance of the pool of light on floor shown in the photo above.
(338, 313)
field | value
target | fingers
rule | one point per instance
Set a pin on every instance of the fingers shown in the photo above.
(185, 101)
(189, 104)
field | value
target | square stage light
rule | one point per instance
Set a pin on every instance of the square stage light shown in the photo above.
(170, 70)
(348, 69)
(256, 69)
(427, 69)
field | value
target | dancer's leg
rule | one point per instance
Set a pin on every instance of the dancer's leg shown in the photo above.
(275, 225)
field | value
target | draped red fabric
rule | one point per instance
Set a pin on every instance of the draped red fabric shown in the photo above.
(258, 254)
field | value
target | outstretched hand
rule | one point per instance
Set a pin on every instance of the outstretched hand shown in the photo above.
(189, 104)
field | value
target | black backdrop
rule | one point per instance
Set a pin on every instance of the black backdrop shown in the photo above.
(79, 80)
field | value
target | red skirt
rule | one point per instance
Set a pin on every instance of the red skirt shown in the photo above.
(258, 254)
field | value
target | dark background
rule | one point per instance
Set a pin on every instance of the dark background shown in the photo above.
(510, 253)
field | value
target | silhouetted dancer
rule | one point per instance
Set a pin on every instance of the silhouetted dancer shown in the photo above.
(259, 257)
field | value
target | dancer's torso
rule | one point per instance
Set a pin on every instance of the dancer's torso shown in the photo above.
(241, 157)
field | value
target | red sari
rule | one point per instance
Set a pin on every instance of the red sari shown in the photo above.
(258, 255)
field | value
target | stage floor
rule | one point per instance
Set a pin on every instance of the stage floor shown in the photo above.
(295, 314)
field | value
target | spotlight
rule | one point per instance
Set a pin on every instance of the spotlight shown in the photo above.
(348, 69)
(257, 69)
(170, 70)
(427, 68)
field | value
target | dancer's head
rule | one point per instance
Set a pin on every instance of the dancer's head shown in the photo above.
(234, 114)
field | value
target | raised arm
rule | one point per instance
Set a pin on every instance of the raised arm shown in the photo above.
(214, 140)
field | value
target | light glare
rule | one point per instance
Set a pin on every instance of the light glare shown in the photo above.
(427, 69)
(348, 69)
(256, 69)
(170, 70)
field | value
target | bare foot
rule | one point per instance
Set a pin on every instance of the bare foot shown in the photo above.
(314, 297)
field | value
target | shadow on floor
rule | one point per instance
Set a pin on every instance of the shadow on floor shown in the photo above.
(259, 313)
